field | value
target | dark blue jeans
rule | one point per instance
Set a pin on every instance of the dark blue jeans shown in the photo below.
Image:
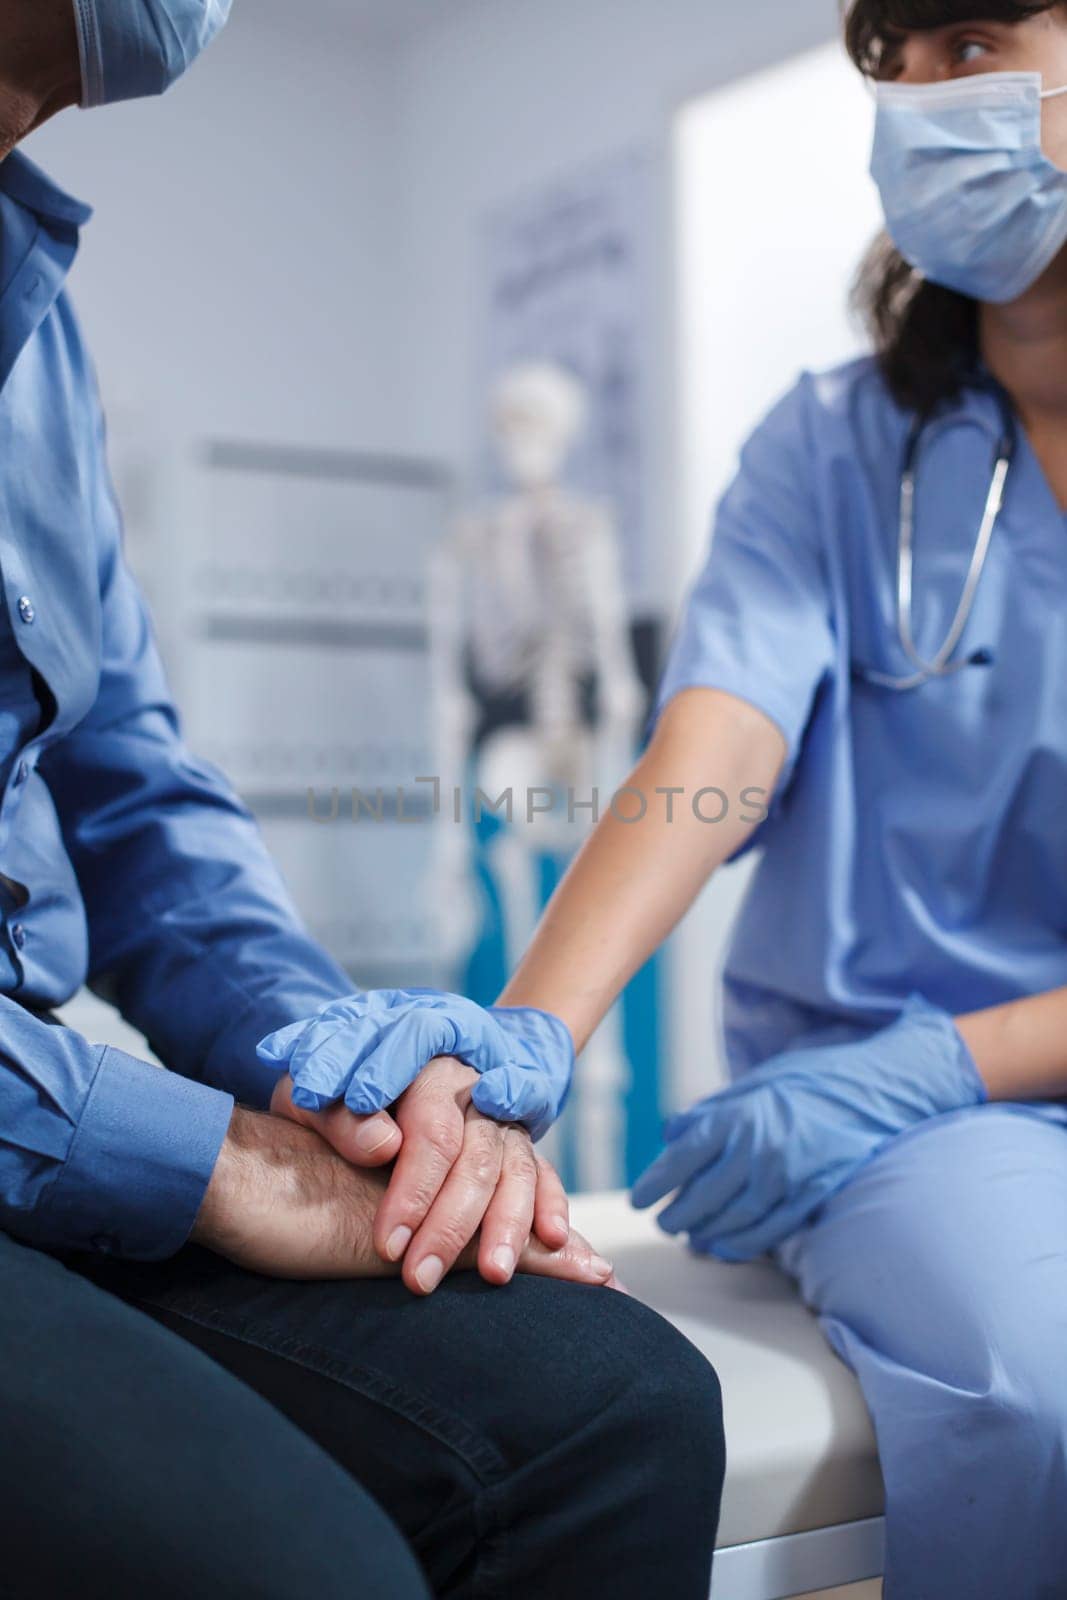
(193, 1429)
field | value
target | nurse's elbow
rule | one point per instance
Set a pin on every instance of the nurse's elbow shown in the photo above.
(700, 725)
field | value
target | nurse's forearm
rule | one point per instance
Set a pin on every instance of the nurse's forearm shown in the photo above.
(1020, 1048)
(633, 881)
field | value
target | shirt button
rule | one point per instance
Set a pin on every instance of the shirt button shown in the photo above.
(22, 772)
(18, 935)
(26, 611)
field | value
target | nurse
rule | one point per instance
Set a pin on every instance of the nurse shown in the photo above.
(895, 1008)
(872, 668)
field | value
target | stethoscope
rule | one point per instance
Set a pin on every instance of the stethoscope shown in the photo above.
(941, 665)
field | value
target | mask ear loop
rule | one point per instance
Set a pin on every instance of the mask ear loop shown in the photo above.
(1053, 94)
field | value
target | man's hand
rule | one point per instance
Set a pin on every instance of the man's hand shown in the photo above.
(283, 1203)
(456, 1172)
(364, 1141)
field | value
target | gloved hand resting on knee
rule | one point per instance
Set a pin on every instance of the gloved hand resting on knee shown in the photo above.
(751, 1164)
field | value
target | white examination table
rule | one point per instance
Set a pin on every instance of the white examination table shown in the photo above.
(802, 1508)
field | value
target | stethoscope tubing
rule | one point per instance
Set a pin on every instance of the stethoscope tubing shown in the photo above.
(941, 665)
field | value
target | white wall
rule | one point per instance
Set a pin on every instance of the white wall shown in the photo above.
(233, 278)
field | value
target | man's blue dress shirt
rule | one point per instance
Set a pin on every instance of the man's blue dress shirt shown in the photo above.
(124, 861)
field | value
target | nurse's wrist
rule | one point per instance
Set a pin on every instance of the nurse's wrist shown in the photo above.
(1020, 1049)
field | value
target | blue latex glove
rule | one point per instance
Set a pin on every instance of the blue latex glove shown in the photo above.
(753, 1163)
(368, 1048)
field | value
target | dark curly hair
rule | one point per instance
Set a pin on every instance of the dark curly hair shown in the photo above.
(925, 336)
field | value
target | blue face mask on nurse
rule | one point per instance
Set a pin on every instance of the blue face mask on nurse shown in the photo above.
(970, 164)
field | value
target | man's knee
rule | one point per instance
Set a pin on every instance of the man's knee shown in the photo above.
(611, 1372)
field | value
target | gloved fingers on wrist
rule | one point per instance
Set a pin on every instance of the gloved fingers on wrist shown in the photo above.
(403, 1049)
(358, 1038)
(542, 1032)
(323, 1061)
(512, 1093)
(327, 1015)
(365, 1003)
(381, 1052)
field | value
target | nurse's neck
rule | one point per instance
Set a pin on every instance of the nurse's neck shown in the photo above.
(1024, 345)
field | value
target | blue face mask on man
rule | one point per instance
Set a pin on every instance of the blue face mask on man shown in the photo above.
(970, 199)
(131, 48)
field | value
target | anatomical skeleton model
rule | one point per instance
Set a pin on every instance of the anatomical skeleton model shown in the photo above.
(529, 602)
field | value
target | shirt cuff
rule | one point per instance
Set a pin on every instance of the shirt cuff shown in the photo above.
(140, 1162)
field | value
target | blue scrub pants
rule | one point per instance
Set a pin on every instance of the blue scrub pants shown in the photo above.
(940, 1276)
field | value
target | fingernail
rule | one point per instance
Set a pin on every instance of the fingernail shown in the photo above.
(562, 1224)
(428, 1273)
(601, 1267)
(504, 1258)
(374, 1136)
(397, 1243)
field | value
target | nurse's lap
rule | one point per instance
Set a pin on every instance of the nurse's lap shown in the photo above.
(946, 1255)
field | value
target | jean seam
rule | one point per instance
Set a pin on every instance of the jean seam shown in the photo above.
(481, 1458)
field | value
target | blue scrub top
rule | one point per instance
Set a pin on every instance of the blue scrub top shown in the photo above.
(916, 840)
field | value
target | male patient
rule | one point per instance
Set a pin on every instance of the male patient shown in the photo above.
(184, 1418)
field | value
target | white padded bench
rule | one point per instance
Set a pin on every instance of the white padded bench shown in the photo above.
(802, 1508)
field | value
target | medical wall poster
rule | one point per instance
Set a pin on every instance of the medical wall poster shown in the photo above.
(567, 279)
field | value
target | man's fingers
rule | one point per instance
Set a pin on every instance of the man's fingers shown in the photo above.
(397, 1059)
(552, 1214)
(432, 1121)
(510, 1216)
(364, 1141)
(457, 1213)
(514, 1094)
(577, 1262)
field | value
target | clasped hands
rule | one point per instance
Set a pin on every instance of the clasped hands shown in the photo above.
(452, 1096)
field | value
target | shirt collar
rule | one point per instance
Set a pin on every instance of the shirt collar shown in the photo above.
(24, 181)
